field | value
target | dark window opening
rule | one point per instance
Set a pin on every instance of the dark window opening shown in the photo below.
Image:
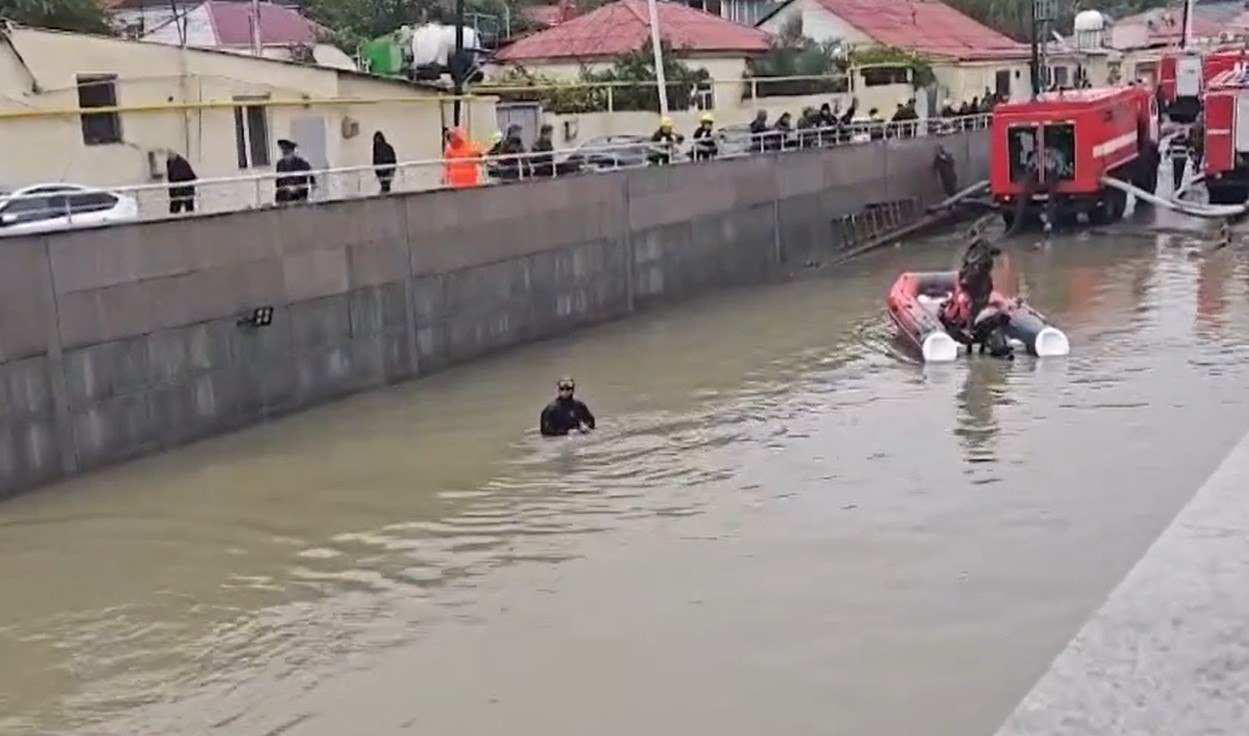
(1021, 141)
(99, 90)
(251, 135)
(1001, 84)
(83, 202)
(877, 76)
(1060, 151)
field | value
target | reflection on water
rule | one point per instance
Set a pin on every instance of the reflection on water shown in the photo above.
(782, 526)
(984, 387)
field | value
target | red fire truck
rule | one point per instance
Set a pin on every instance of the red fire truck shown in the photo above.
(1227, 137)
(1051, 153)
(1180, 78)
(1184, 75)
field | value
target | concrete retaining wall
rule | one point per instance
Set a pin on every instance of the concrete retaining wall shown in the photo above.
(119, 341)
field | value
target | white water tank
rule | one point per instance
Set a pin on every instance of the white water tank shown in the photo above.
(1090, 30)
(433, 43)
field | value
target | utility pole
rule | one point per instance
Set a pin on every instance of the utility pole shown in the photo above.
(256, 37)
(660, 81)
(1043, 13)
(457, 62)
(1186, 25)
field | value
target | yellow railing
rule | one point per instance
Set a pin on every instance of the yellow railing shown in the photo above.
(482, 92)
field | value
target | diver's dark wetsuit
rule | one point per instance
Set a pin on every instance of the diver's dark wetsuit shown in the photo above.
(563, 415)
(975, 288)
(976, 274)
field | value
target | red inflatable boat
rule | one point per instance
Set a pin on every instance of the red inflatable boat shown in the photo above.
(915, 304)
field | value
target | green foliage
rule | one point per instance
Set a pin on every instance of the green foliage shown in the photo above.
(639, 67)
(84, 16)
(794, 55)
(631, 80)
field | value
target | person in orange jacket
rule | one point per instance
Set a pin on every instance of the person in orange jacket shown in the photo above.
(463, 161)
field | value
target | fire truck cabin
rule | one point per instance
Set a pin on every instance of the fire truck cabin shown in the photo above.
(1080, 136)
(1181, 75)
(1227, 137)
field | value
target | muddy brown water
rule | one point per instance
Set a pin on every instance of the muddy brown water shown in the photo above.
(779, 528)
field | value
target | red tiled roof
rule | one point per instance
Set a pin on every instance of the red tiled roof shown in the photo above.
(623, 27)
(926, 27)
(279, 25)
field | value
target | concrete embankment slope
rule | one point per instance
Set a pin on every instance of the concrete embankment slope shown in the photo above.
(119, 341)
(1168, 654)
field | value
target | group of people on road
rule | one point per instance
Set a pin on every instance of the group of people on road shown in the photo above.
(508, 159)
(294, 183)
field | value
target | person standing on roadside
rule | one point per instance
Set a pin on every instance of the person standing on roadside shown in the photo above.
(296, 185)
(178, 171)
(383, 161)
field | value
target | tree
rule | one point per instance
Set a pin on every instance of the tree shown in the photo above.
(631, 79)
(84, 16)
(638, 69)
(792, 54)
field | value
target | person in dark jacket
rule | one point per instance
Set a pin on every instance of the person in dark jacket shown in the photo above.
(295, 186)
(783, 133)
(565, 414)
(943, 163)
(543, 160)
(875, 124)
(383, 161)
(664, 142)
(1178, 153)
(178, 171)
(705, 147)
(759, 132)
(513, 164)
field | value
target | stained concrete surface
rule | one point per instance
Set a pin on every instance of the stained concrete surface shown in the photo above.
(118, 341)
(1168, 653)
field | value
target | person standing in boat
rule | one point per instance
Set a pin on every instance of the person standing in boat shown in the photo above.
(963, 312)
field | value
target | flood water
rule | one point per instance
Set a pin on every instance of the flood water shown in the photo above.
(779, 528)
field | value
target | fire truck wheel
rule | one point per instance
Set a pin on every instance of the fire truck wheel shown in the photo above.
(1110, 209)
(1227, 193)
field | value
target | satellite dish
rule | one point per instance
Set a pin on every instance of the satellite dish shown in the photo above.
(326, 55)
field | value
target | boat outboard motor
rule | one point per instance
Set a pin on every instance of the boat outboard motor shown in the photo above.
(989, 329)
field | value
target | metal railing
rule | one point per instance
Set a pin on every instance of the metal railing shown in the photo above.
(83, 206)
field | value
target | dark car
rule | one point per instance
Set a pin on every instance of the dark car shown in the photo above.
(607, 153)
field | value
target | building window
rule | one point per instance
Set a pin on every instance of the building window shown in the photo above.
(99, 90)
(704, 96)
(251, 132)
(1001, 84)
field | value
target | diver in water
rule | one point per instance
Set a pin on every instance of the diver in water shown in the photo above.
(965, 314)
(565, 414)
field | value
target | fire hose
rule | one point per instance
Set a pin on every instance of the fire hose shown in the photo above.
(1210, 211)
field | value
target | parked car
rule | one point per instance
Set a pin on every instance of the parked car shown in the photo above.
(46, 207)
(734, 140)
(608, 152)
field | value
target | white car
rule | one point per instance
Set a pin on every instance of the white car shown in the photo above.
(46, 207)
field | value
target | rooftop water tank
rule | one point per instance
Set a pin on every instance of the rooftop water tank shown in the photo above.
(433, 43)
(1090, 29)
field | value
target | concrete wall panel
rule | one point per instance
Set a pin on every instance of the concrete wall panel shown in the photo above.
(27, 311)
(118, 341)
